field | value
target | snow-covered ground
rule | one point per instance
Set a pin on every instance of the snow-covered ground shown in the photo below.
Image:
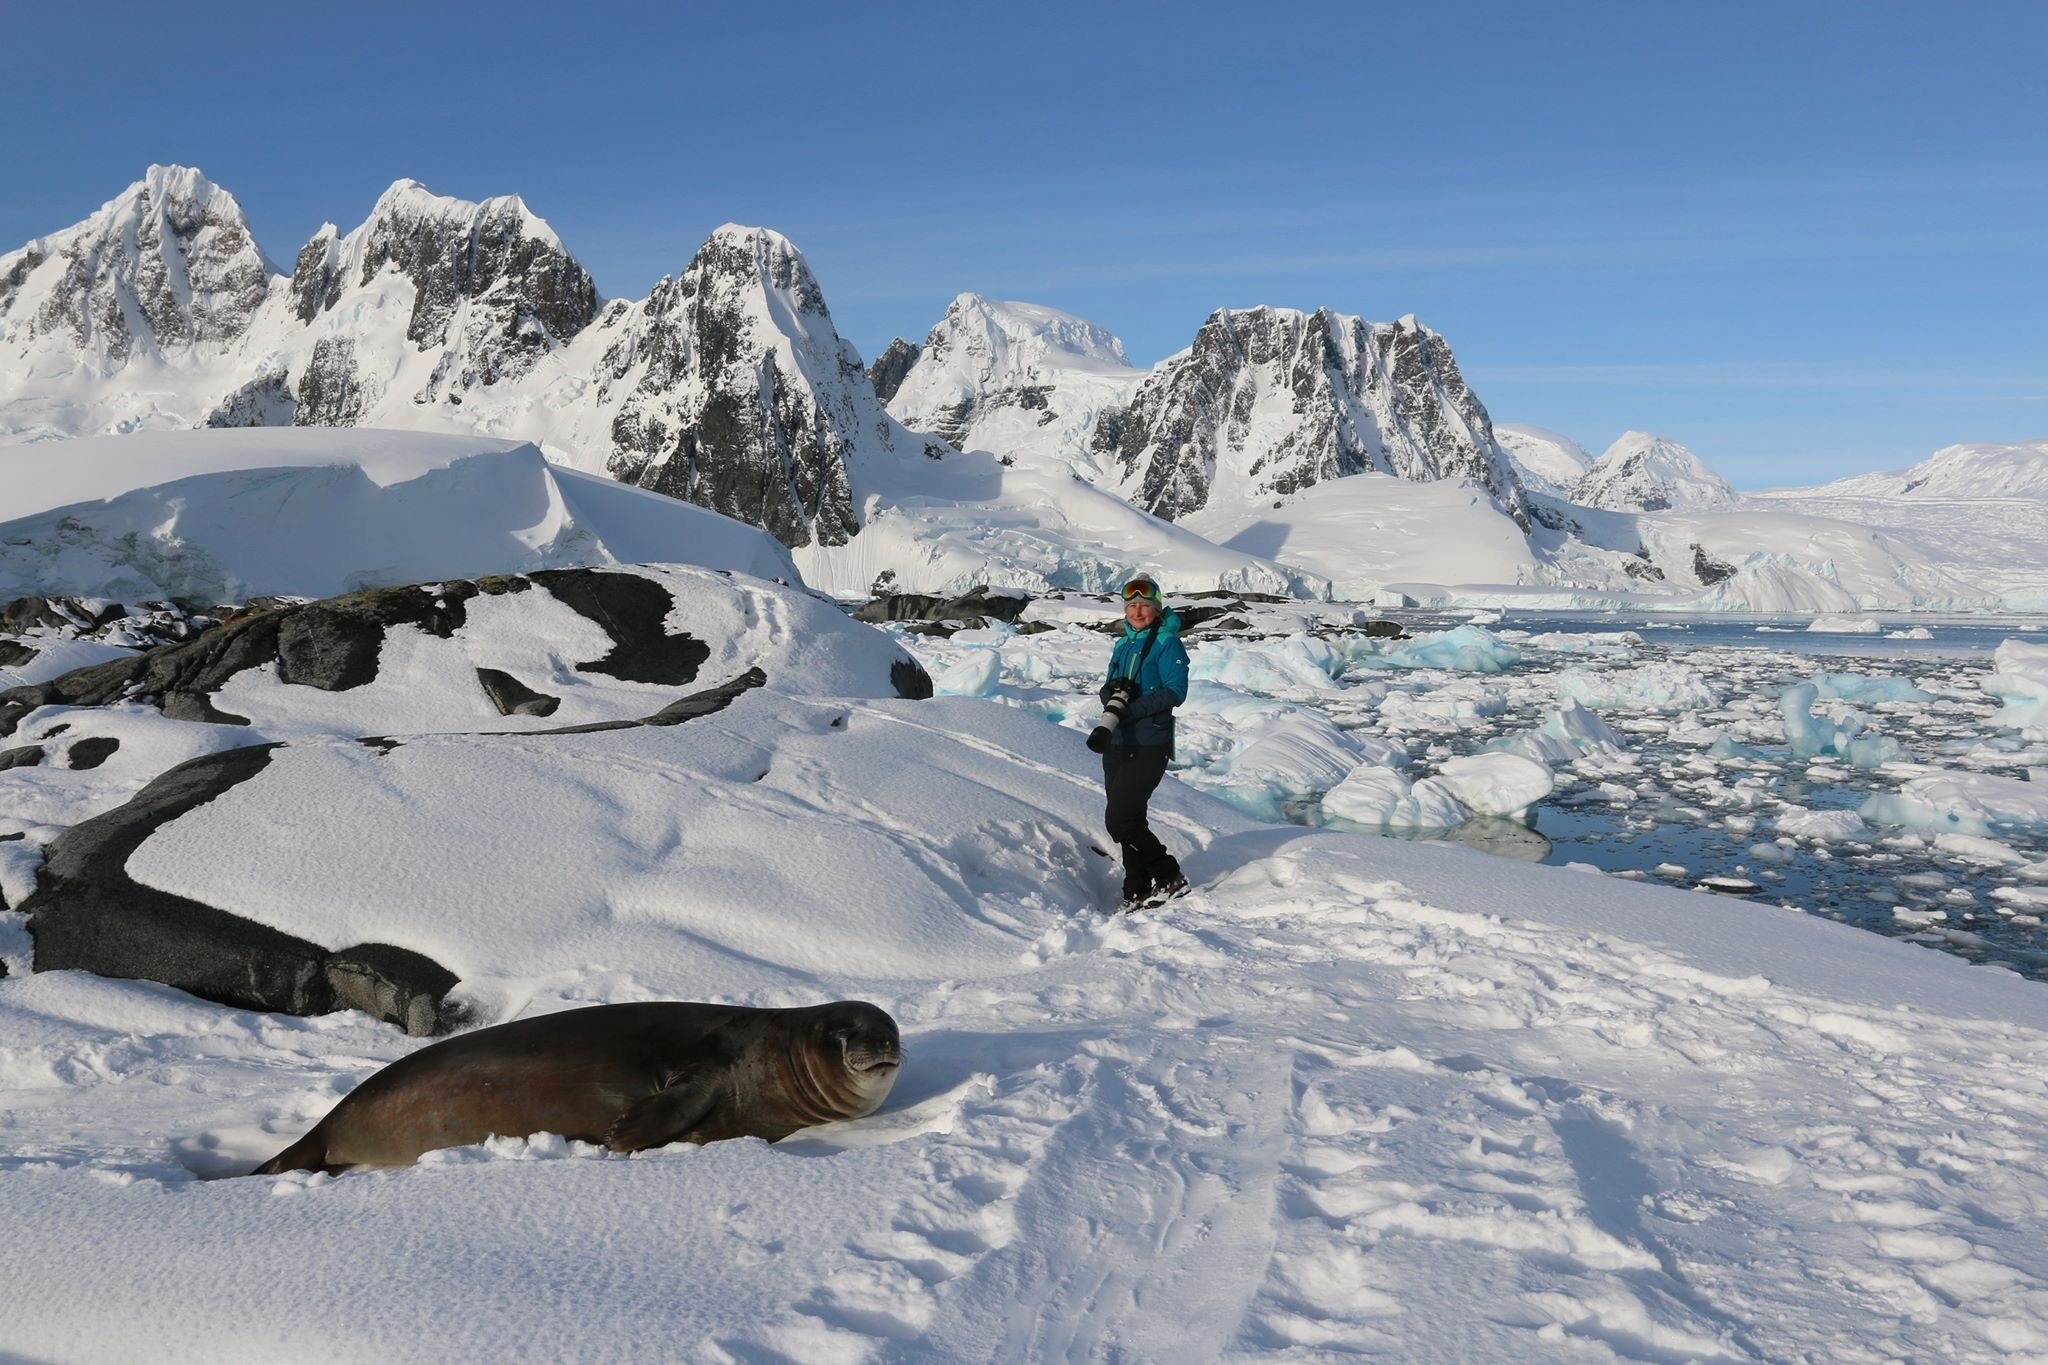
(1353, 1095)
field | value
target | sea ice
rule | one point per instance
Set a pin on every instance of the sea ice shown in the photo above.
(2021, 682)
(1376, 796)
(1497, 783)
(1811, 736)
(1845, 625)
(1468, 649)
(974, 674)
(1660, 686)
(1962, 803)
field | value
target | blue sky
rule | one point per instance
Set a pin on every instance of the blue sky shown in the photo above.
(1804, 238)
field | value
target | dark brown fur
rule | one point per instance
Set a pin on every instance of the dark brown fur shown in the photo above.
(629, 1076)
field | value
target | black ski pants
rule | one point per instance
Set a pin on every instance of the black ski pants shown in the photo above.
(1130, 777)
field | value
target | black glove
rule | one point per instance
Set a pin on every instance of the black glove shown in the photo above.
(1113, 710)
(1119, 687)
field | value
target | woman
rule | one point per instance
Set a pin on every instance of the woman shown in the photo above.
(1148, 677)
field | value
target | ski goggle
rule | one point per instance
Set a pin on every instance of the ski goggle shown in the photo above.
(1141, 590)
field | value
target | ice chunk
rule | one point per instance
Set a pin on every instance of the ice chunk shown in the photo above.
(1497, 783)
(1294, 664)
(1652, 687)
(1962, 803)
(1384, 798)
(1987, 852)
(1916, 633)
(1568, 733)
(973, 674)
(1860, 688)
(1298, 753)
(1468, 649)
(1845, 625)
(2021, 682)
(1811, 736)
(1823, 826)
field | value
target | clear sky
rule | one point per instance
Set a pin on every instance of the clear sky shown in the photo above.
(1804, 238)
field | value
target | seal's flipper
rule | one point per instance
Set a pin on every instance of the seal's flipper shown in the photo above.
(309, 1153)
(663, 1117)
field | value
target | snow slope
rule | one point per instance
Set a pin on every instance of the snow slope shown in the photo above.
(1645, 473)
(1019, 379)
(220, 516)
(1548, 461)
(1973, 472)
(1350, 1096)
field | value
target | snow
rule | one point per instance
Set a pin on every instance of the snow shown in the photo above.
(218, 516)
(1981, 471)
(1979, 804)
(1351, 1095)
(1548, 461)
(1467, 649)
(1645, 473)
(2021, 683)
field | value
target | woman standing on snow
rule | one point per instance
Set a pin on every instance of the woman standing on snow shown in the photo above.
(1148, 677)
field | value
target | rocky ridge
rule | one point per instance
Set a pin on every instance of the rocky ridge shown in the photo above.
(1269, 401)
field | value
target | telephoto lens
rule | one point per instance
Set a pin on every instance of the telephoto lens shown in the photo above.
(1112, 716)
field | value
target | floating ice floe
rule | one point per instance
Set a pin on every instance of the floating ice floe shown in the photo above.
(1845, 625)
(1497, 783)
(1296, 663)
(1962, 803)
(1570, 732)
(1868, 690)
(1652, 687)
(1811, 736)
(2021, 682)
(1468, 649)
(1295, 754)
(1375, 796)
(1915, 633)
(1823, 826)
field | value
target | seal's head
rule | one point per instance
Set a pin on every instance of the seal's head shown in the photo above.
(863, 1041)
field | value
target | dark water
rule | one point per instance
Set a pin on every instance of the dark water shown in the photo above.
(1679, 812)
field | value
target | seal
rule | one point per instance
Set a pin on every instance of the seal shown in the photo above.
(629, 1076)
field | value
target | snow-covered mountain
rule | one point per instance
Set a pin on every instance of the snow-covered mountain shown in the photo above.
(1986, 470)
(1019, 379)
(1547, 461)
(166, 267)
(1645, 473)
(1271, 400)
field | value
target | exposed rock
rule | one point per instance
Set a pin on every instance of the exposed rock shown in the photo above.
(513, 697)
(92, 751)
(740, 396)
(265, 401)
(13, 653)
(633, 610)
(330, 394)
(886, 374)
(396, 985)
(1269, 401)
(26, 756)
(1708, 569)
(87, 914)
(979, 604)
(167, 265)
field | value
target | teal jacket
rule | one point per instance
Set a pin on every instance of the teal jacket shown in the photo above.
(1161, 671)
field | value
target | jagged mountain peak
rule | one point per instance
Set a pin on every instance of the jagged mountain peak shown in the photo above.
(1270, 400)
(167, 264)
(1644, 472)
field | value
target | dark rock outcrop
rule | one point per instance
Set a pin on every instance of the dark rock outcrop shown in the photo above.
(886, 374)
(972, 609)
(513, 697)
(265, 401)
